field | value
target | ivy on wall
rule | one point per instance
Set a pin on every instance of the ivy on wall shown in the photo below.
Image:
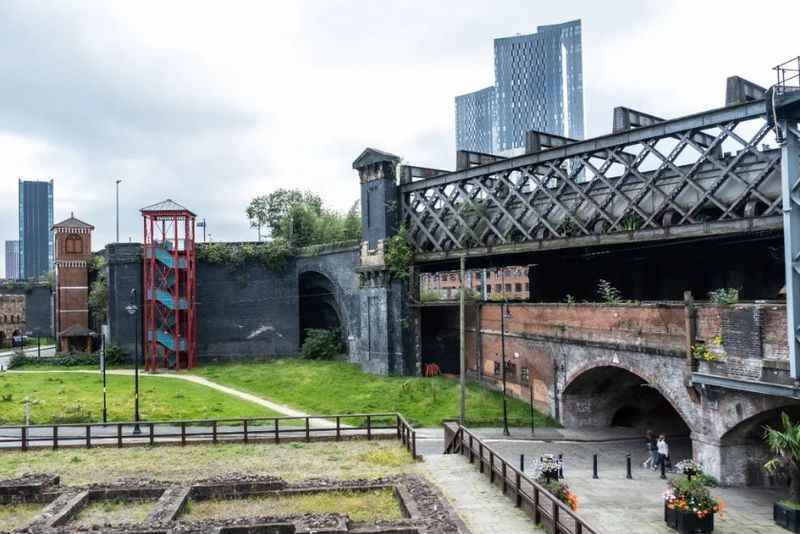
(273, 255)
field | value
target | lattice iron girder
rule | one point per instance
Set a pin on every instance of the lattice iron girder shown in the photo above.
(643, 179)
(790, 172)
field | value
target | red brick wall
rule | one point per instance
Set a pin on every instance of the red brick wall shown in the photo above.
(534, 331)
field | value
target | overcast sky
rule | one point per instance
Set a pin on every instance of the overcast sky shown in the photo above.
(213, 103)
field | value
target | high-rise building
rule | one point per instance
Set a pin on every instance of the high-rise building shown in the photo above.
(12, 260)
(475, 119)
(35, 228)
(538, 86)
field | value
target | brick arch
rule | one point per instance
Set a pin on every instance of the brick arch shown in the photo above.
(586, 367)
(337, 301)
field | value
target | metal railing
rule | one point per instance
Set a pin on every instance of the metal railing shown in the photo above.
(254, 429)
(540, 504)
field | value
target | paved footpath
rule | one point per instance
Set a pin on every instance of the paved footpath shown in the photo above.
(482, 506)
(615, 505)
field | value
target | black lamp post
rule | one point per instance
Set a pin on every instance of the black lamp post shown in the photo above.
(504, 314)
(530, 388)
(132, 308)
(103, 369)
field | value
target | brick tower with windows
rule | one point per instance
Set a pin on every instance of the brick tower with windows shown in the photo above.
(73, 248)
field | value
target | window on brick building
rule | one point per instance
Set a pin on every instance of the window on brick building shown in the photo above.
(488, 288)
(511, 369)
(73, 244)
(508, 288)
(517, 287)
(496, 368)
(524, 375)
(498, 288)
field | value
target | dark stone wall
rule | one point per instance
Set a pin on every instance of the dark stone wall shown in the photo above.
(39, 311)
(378, 210)
(38, 307)
(243, 312)
(246, 312)
(124, 273)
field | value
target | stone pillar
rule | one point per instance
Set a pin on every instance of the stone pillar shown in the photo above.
(385, 322)
(124, 273)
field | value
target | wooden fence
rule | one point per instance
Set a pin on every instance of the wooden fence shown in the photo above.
(543, 507)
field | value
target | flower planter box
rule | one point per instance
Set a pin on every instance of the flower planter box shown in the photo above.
(688, 522)
(788, 518)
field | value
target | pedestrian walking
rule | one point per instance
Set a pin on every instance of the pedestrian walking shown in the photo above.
(663, 451)
(652, 451)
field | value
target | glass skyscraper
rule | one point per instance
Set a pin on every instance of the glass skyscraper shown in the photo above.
(538, 86)
(12, 260)
(35, 228)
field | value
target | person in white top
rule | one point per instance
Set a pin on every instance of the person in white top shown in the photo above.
(663, 450)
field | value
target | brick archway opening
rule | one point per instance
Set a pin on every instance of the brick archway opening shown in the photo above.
(608, 396)
(743, 451)
(319, 307)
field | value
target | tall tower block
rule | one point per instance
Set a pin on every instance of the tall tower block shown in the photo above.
(169, 286)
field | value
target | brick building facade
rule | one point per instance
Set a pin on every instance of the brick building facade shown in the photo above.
(12, 317)
(73, 244)
(507, 283)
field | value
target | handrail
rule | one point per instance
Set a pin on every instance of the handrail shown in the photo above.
(24, 437)
(540, 503)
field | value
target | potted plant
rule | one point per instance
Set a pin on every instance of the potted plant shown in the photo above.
(546, 472)
(785, 444)
(688, 504)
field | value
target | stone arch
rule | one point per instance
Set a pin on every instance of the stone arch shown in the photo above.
(320, 303)
(743, 450)
(614, 394)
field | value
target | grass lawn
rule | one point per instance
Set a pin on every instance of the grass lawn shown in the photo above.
(291, 461)
(112, 512)
(78, 398)
(359, 505)
(336, 387)
(13, 516)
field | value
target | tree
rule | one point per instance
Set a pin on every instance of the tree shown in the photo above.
(301, 219)
(271, 210)
(352, 222)
(785, 444)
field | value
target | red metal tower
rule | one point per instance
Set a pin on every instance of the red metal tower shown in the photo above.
(169, 286)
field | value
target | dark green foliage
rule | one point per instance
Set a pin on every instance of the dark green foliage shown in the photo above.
(724, 296)
(272, 255)
(114, 356)
(398, 255)
(301, 219)
(98, 298)
(321, 344)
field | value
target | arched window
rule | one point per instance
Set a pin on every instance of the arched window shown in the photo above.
(73, 244)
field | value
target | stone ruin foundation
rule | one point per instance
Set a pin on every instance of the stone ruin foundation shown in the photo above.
(424, 509)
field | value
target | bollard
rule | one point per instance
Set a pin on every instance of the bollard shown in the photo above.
(522, 462)
(663, 463)
(560, 466)
(628, 466)
(594, 466)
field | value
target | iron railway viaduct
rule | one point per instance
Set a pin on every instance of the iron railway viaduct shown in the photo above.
(665, 210)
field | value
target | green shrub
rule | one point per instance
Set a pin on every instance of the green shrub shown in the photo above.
(398, 255)
(429, 295)
(608, 293)
(321, 344)
(114, 356)
(724, 296)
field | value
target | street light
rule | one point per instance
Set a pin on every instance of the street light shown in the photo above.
(504, 314)
(202, 224)
(118, 181)
(132, 308)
